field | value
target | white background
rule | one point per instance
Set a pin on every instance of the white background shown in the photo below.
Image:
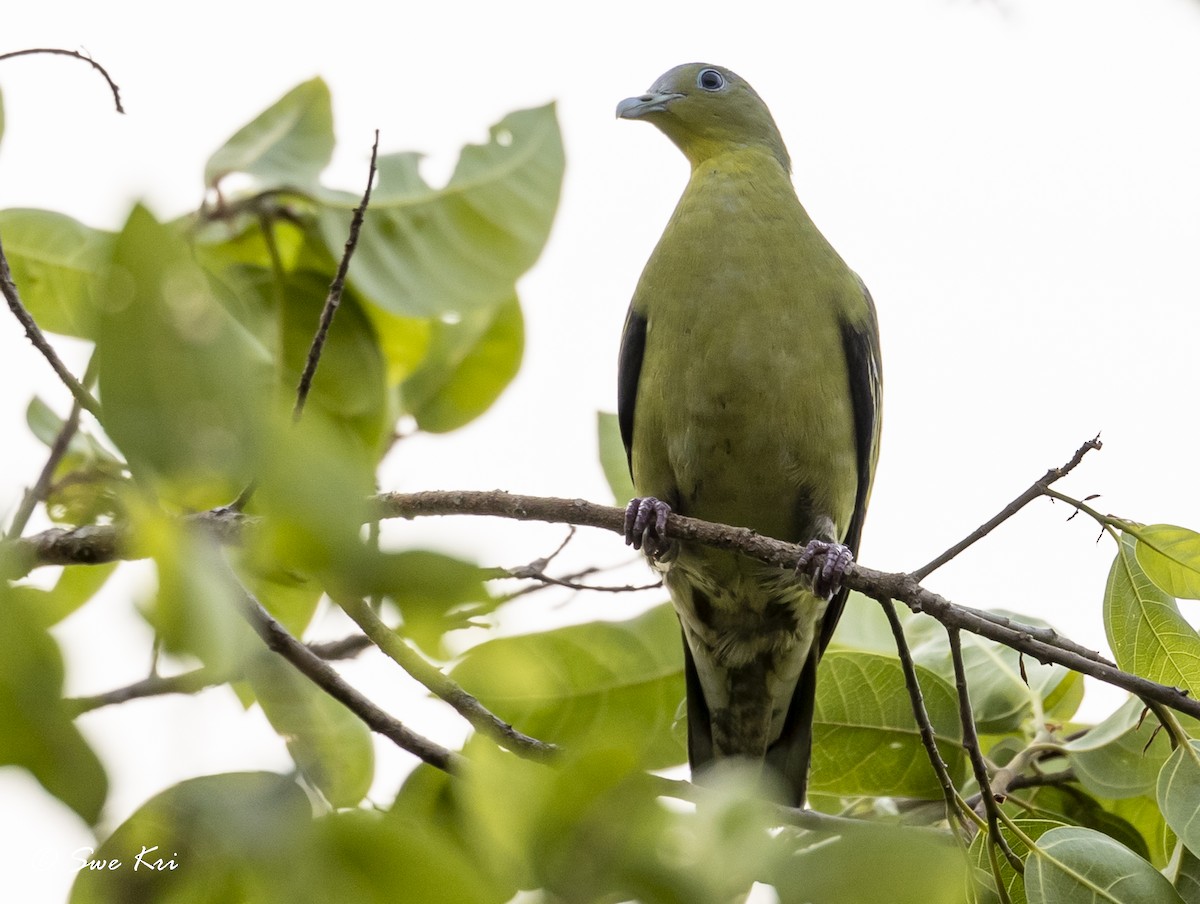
(1017, 182)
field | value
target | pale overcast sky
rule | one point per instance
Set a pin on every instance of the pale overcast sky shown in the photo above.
(1017, 182)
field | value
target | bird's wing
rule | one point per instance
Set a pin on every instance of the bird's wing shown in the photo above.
(860, 344)
(629, 369)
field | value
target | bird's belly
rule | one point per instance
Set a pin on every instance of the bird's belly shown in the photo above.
(750, 629)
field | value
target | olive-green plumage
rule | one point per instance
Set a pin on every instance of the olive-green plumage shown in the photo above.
(749, 395)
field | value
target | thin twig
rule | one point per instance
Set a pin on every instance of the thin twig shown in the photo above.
(1036, 489)
(116, 92)
(955, 805)
(41, 487)
(336, 288)
(277, 638)
(192, 682)
(970, 742)
(34, 332)
(467, 706)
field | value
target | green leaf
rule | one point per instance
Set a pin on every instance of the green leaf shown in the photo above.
(287, 145)
(613, 458)
(435, 593)
(1170, 556)
(468, 363)
(195, 608)
(56, 264)
(231, 837)
(331, 746)
(1116, 759)
(1178, 793)
(36, 731)
(865, 738)
(75, 586)
(184, 387)
(427, 252)
(1073, 806)
(900, 866)
(1074, 865)
(1187, 880)
(1013, 882)
(1145, 629)
(365, 857)
(602, 684)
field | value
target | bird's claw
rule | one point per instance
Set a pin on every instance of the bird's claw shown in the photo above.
(825, 564)
(646, 526)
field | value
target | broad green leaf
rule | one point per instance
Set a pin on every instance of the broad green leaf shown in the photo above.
(602, 684)
(1170, 557)
(1143, 815)
(1145, 629)
(467, 364)
(1178, 793)
(896, 866)
(184, 386)
(331, 746)
(362, 856)
(231, 837)
(1071, 805)
(1074, 865)
(75, 586)
(194, 610)
(865, 737)
(427, 252)
(36, 731)
(287, 145)
(56, 264)
(1116, 759)
(613, 458)
(1000, 696)
(435, 593)
(1187, 880)
(1013, 882)
(864, 626)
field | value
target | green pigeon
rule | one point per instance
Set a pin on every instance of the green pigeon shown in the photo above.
(748, 394)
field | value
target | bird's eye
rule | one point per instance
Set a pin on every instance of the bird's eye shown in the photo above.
(710, 80)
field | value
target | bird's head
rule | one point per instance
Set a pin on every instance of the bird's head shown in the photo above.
(707, 110)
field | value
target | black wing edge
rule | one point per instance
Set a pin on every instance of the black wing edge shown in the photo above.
(860, 343)
(629, 369)
(699, 722)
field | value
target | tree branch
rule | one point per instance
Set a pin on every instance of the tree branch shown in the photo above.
(277, 638)
(34, 332)
(199, 679)
(1036, 489)
(116, 92)
(336, 288)
(467, 706)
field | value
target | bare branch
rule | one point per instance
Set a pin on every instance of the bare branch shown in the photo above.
(970, 743)
(34, 332)
(467, 706)
(1036, 489)
(41, 487)
(336, 288)
(116, 92)
(277, 638)
(192, 682)
(954, 804)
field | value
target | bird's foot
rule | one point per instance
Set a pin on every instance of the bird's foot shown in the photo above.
(825, 564)
(646, 527)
